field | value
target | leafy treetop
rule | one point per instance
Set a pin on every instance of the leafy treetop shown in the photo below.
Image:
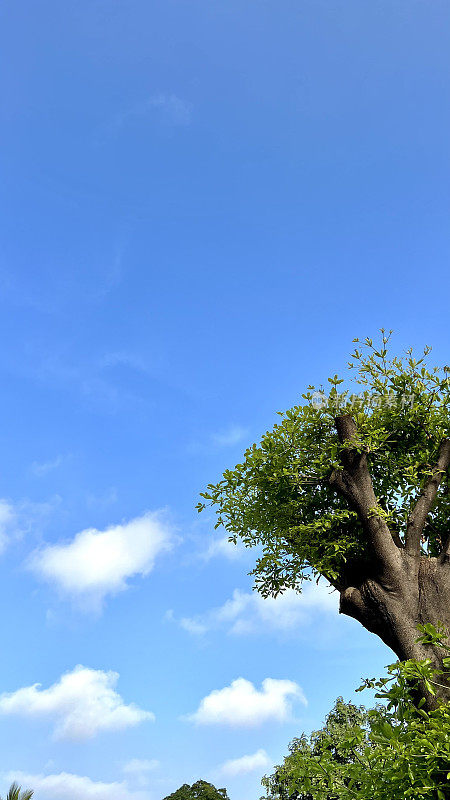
(330, 745)
(201, 790)
(16, 792)
(283, 496)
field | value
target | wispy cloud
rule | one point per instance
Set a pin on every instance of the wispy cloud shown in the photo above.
(258, 761)
(103, 500)
(97, 563)
(110, 278)
(123, 358)
(242, 705)
(67, 786)
(42, 468)
(167, 107)
(23, 517)
(223, 548)
(249, 612)
(82, 704)
(222, 439)
(139, 769)
(9, 524)
(229, 437)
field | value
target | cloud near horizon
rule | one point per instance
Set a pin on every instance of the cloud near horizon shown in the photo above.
(97, 563)
(81, 704)
(67, 786)
(242, 705)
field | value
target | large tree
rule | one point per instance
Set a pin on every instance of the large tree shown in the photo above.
(353, 485)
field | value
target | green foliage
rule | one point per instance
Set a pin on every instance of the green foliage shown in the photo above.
(15, 793)
(345, 721)
(280, 499)
(397, 750)
(201, 790)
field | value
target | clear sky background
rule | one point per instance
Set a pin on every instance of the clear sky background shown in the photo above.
(202, 204)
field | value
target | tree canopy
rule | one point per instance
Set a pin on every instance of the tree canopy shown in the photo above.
(354, 487)
(200, 790)
(307, 754)
(397, 750)
(285, 495)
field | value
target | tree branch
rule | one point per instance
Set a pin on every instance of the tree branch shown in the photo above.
(354, 482)
(418, 516)
(353, 604)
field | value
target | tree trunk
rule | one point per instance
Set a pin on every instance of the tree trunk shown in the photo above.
(405, 587)
(416, 594)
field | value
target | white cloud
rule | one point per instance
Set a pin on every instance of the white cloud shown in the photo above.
(223, 548)
(97, 563)
(82, 704)
(240, 766)
(190, 625)
(66, 786)
(193, 626)
(241, 705)
(249, 612)
(42, 468)
(229, 437)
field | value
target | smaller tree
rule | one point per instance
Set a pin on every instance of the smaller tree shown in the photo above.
(328, 745)
(200, 790)
(15, 793)
(398, 750)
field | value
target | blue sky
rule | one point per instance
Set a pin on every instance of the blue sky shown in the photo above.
(202, 205)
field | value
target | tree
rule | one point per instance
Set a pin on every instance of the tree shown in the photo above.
(395, 750)
(15, 793)
(201, 790)
(307, 755)
(355, 488)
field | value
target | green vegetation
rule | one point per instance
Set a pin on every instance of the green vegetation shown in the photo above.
(15, 793)
(201, 790)
(355, 488)
(397, 750)
(307, 754)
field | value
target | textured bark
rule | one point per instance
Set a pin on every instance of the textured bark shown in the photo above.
(399, 587)
(393, 614)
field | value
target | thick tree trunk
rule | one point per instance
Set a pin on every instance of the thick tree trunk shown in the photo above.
(403, 586)
(417, 593)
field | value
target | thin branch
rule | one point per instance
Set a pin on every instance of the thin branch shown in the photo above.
(354, 482)
(419, 514)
